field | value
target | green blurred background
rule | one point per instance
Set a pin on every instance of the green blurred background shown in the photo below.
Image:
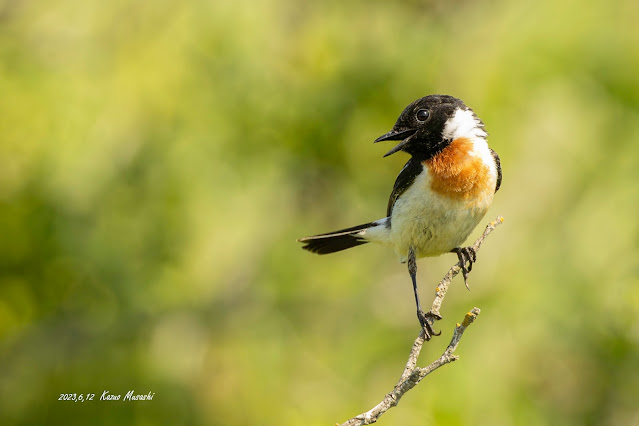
(158, 159)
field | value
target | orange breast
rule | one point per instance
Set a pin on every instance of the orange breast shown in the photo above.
(457, 174)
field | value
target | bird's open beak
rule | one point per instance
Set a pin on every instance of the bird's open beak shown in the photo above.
(396, 135)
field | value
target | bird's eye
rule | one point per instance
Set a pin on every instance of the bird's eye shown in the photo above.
(423, 114)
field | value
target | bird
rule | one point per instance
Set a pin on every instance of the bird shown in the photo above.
(440, 195)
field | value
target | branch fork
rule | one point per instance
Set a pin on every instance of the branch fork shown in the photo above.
(413, 374)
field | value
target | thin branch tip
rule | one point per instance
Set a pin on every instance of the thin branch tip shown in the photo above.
(470, 317)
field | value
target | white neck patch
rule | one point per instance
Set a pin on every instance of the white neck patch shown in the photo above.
(463, 124)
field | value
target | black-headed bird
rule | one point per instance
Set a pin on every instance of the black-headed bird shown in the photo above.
(440, 195)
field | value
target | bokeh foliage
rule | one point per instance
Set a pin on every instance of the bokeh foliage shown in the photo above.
(158, 159)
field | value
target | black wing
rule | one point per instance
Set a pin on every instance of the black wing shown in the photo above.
(498, 164)
(405, 178)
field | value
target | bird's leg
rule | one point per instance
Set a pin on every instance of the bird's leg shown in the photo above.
(465, 255)
(421, 315)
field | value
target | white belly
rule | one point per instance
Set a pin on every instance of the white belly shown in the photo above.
(431, 223)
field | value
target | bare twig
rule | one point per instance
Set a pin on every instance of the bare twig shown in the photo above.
(413, 374)
(442, 288)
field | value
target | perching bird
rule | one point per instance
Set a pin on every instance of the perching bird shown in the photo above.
(440, 195)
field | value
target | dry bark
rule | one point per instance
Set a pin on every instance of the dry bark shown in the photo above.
(413, 374)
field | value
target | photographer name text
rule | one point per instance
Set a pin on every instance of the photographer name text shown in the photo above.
(107, 396)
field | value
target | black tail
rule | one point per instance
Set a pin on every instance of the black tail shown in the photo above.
(336, 241)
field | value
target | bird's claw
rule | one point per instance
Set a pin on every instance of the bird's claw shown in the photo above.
(466, 255)
(426, 324)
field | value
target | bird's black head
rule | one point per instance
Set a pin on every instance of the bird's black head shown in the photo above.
(426, 126)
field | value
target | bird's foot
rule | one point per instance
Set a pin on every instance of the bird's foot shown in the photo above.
(425, 319)
(465, 255)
